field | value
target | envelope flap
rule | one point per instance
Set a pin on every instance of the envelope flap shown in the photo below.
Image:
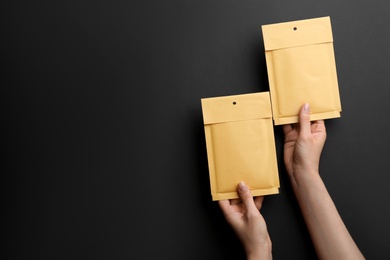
(236, 108)
(297, 33)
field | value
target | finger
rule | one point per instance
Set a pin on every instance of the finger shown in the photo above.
(259, 202)
(235, 201)
(304, 120)
(318, 126)
(224, 205)
(287, 129)
(246, 197)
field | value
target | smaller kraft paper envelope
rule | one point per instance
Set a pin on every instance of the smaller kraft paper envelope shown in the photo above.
(240, 144)
(301, 69)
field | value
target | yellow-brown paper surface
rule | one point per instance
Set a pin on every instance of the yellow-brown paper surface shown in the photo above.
(301, 69)
(240, 144)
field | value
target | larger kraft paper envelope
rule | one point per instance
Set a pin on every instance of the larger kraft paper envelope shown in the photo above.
(240, 144)
(301, 69)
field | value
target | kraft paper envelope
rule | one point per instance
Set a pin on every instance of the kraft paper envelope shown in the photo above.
(301, 68)
(240, 144)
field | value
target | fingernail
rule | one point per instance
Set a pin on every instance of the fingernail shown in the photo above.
(306, 107)
(242, 187)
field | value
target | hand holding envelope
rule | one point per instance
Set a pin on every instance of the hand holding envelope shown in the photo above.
(240, 140)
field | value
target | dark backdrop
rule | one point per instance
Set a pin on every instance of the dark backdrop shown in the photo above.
(103, 146)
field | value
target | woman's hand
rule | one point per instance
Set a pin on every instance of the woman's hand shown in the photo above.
(244, 216)
(303, 144)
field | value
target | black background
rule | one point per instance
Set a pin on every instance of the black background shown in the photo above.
(103, 146)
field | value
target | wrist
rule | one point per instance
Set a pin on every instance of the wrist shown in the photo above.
(308, 186)
(304, 178)
(302, 174)
(262, 256)
(262, 252)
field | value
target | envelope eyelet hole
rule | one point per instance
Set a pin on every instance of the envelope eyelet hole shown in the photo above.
(234, 103)
(295, 28)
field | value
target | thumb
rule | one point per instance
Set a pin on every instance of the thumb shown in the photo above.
(304, 120)
(246, 197)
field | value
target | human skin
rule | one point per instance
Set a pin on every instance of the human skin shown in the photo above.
(302, 150)
(244, 216)
(303, 145)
